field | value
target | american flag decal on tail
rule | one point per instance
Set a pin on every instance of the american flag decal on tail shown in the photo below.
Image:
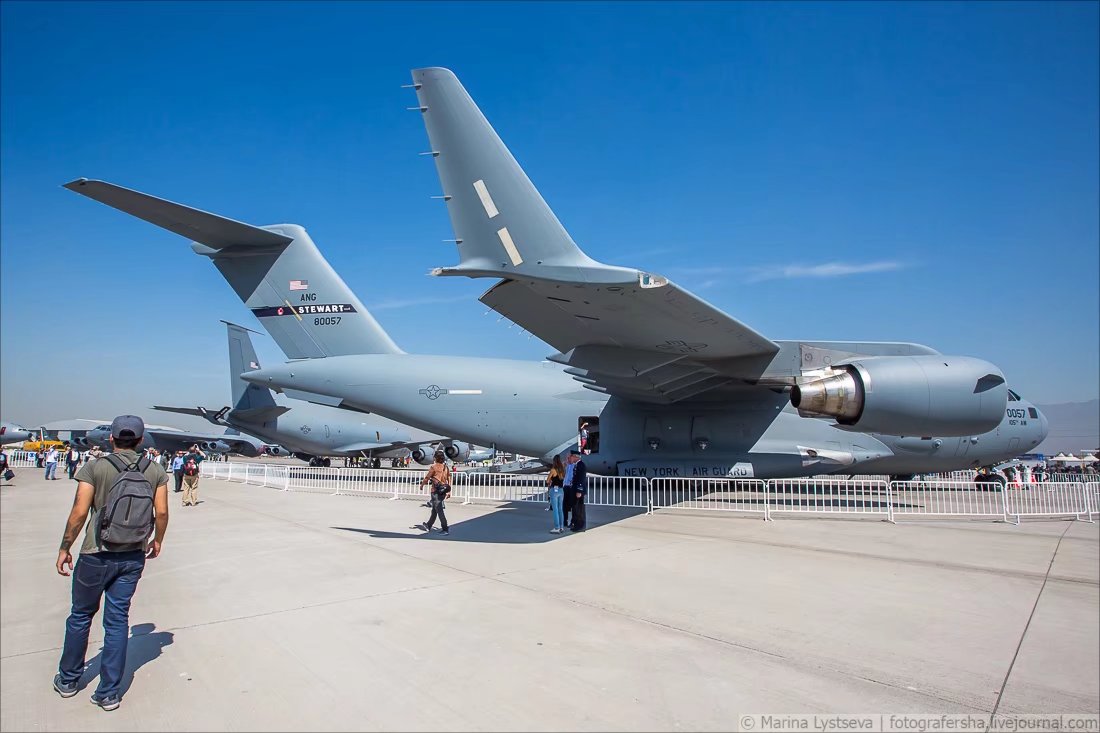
(299, 284)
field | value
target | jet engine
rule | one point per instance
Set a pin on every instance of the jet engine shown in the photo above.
(908, 395)
(277, 450)
(424, 454)
(80, 442)
(457, 451)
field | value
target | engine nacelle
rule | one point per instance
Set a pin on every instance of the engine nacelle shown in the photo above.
(277, 450)
(457, 451)
(80, 442)
(424, 454)
(908, 395)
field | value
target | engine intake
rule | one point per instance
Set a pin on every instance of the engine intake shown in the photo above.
(908, 395)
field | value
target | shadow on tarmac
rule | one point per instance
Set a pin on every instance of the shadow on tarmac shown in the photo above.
(144, 646)
(516, 522)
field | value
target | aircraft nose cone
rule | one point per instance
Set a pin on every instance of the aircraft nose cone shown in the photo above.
(1044, 426)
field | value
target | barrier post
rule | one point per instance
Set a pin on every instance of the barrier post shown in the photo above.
(266, 473)
(767, 501)
(890, 503)
(648, 495)
(1087, 504)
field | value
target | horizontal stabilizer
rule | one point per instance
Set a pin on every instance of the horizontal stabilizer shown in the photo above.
(195, 411)
(212, 230)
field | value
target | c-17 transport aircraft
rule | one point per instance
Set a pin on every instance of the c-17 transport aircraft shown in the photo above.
(12, 433)
(313, 432)
(668, 384)
(170, 440)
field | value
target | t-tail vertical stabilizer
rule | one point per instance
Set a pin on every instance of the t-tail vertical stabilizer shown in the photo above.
(276, 270)
(251, 402)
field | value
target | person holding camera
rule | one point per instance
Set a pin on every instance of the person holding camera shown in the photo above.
(439, 476)
(191, 463)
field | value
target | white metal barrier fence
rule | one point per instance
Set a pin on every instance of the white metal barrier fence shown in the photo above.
(947, 499)
(727, 495)
(829, 496)
(855, 497)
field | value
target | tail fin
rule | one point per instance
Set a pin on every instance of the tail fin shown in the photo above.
(276, 270)
(502, 224)
(251, 402)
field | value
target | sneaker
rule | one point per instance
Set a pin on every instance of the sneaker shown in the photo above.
(107, 702)
(65, 689)
(423, 527)
(443, 531)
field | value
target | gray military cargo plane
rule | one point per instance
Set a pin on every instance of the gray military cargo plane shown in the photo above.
(312, 432)
(12, 433)
(668, 384)
(167, 439)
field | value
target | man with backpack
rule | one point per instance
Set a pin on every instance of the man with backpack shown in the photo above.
(126, 497)
(191, 463)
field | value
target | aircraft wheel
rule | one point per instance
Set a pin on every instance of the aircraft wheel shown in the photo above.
(326, 462)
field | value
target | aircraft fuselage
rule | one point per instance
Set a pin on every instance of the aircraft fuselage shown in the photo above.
(534, 408)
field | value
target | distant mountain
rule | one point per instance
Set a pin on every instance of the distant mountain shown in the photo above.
(1074, 427)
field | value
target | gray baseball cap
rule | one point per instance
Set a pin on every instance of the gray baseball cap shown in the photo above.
(127, 423)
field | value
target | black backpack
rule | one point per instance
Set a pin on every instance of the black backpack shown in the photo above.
(127, 516)
(190, 466)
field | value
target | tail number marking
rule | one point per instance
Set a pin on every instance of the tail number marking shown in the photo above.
(327, 321)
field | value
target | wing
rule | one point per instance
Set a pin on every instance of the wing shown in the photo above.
(618, 330)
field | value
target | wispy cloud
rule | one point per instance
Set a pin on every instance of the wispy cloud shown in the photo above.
(396, 303)
(824, 270)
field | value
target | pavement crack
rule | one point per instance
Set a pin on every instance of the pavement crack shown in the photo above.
(1023, 634)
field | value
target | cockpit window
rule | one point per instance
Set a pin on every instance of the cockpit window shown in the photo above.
(1033, 413)
(102, 427)
(1013, 397)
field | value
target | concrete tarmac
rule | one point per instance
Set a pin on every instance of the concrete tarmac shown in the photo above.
(295, 611)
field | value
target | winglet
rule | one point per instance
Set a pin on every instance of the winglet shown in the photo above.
(502, 224)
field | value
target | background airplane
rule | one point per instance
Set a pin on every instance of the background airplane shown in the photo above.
(313, 432)
(669, 385)
(164, 438)
(12, 433)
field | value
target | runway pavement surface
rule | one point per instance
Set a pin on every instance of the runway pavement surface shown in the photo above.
(273, 610)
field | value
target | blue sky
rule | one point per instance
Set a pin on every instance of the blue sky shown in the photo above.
(920, 172)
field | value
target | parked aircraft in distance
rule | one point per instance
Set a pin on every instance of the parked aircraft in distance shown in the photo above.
(168, 439)
(12, 433)
(312, 432)
(668, 384)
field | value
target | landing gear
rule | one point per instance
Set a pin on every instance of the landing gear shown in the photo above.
(326, 462)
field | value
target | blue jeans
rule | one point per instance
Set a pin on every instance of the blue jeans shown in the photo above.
(115, 576)
(51, 470)
(557, 494)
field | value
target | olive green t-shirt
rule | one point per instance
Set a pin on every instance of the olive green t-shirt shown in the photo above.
(100, 473)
